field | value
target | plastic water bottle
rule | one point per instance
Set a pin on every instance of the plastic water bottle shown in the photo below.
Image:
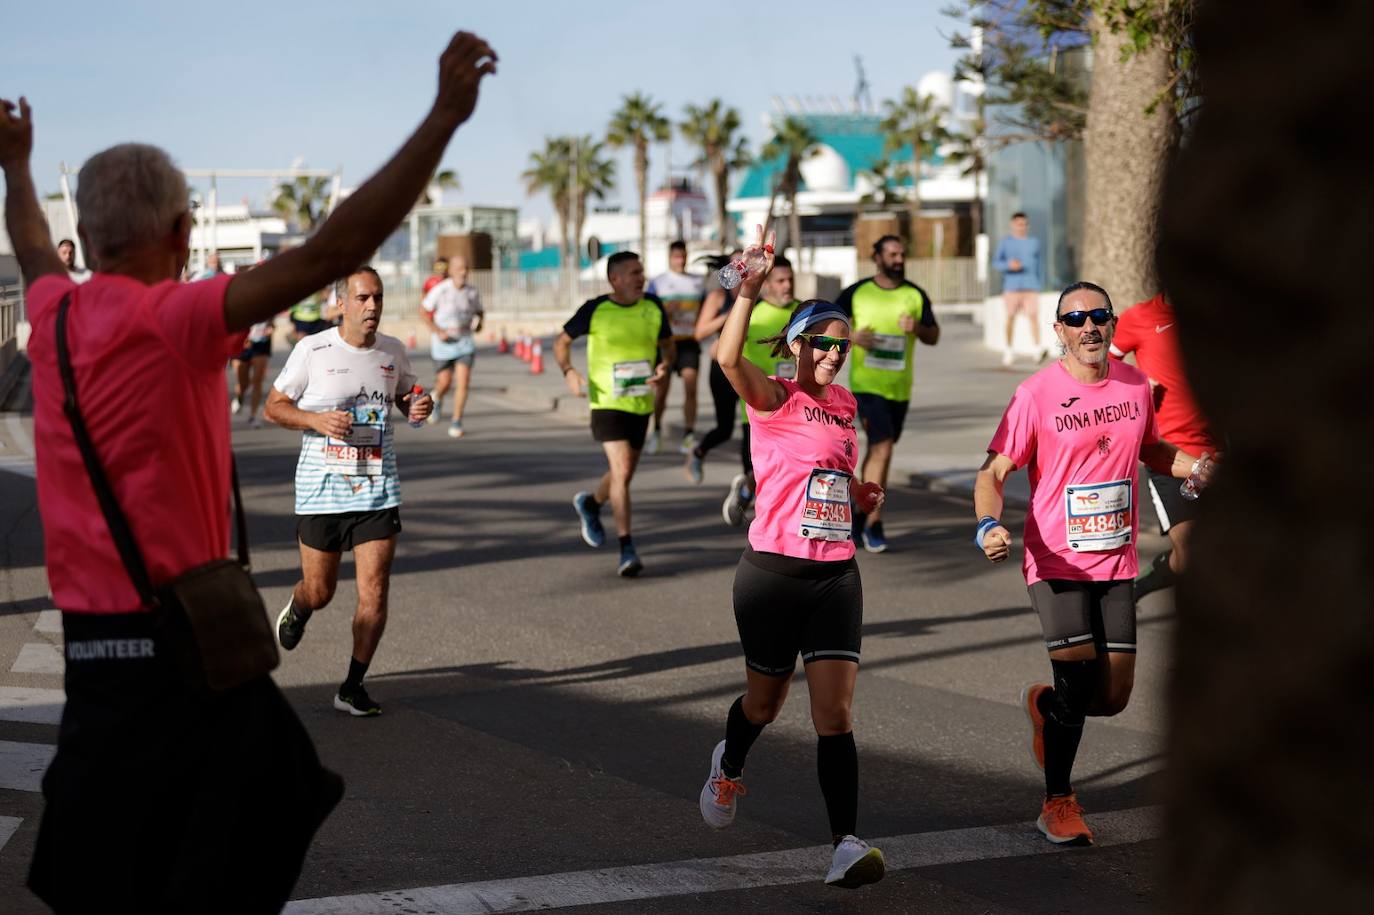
(750, 262)
(1191, 488)
(415, 392)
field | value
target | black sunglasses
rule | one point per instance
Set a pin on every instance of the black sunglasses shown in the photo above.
(825, 343)
(1101, 317)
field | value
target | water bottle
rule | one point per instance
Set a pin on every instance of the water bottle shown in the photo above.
(1191, 488)
(750, 262)
(415, 392)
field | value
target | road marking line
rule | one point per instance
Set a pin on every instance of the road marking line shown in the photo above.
(8, 827)
(710, 875)
(22, 764)
(39, 658)
(31, 704)
(49, 621)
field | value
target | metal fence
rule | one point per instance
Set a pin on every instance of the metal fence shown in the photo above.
(535, 293)
(11, 311)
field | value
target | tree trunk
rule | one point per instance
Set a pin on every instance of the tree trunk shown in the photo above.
(976, 211)
(642, 181)
(913, 211)
(565, 231)
(1125, 152)
(1268, 807)
(772, 201)
(723, 227)
(794, 224)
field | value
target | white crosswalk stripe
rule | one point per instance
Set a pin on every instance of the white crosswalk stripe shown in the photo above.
(22, 763)
(31, 704)
(49, 621)
(39, 658)
(8, 827)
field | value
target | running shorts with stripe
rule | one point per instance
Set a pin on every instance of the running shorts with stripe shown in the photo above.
(1077, 612)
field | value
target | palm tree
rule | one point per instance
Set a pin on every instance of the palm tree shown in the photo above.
(571, 170)
(791, 142)
(971, 151)
(713, 129)
(883, 174)
(445, 179)
(636, 124)
(915, 122)
(593, 175)
(302, 200)
(550, 172)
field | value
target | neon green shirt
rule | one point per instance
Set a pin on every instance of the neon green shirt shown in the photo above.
(622, 350)
(885, 368)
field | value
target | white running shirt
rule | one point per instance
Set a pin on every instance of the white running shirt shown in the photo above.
(325, 373)
(454, 308)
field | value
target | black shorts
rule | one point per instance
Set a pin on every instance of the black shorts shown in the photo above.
(1074, 612)
(620, 426)
(306, 328)
(786, 606)
(882, 419)
(157, 796)
(345, 530)
(255, 348)
(688, 356)
(1170, 505)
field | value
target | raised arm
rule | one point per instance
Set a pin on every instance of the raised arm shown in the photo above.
(749, 381)
(363, 221)
(24, 220)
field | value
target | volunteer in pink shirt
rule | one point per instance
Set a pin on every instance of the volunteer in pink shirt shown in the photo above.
(162, 796)
(1079, 426)
(797, 588)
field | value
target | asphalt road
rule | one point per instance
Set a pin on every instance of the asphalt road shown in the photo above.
(544, 717)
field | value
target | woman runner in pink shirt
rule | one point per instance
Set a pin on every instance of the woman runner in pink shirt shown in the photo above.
(797, 588)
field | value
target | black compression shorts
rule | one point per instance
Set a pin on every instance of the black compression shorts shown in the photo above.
(620, 426)
(1075, 612)
(345, 530)
(786, 606)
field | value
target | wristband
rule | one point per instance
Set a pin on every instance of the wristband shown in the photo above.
(570, 368)
(985, 524)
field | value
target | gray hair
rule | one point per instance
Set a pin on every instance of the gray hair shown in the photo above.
(128, 195)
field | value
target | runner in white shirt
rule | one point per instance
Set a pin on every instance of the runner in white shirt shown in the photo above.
(681, 294)
(338, 387)
(453, 311)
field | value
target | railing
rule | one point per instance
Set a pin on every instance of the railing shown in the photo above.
(11, 308)
(949, 280)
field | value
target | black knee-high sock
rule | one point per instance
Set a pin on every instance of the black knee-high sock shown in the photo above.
(837, 765)
(1064, 708)
(740, 734)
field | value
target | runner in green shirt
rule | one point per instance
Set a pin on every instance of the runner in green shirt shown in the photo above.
(889, 314)
(629, 349)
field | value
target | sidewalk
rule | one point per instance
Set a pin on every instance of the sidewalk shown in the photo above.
(961, 391)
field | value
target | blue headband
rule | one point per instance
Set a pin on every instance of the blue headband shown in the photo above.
(814, 314)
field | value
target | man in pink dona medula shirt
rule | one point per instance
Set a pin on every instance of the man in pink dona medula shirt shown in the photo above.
(1079, 426)
(163, 797)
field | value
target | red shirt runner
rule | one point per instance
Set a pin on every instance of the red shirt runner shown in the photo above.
(1149, 330)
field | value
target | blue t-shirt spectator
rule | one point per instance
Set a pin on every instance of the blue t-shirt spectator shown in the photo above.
(1025, 250)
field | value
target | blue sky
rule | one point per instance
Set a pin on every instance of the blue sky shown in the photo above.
(258, 85)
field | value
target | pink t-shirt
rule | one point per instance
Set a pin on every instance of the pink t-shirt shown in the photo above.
(804, 454)
(1081, 444)
(149, 368)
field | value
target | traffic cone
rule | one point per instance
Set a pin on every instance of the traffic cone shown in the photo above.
(528, 352)
(520, 347)
(504, 345)
(410, 339)
(537, 359)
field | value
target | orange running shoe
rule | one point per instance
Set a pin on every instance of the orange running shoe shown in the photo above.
(1030, 704)
(1061, 820)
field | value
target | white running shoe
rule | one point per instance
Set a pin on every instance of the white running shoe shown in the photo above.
(653, 443)
(1007, 356)
(719, 793)
(855, 863)
(236, 406)
(434, 412)
(689, 441)
(735, 503)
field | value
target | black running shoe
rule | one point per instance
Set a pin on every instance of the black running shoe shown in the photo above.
(356, 702)
(1159, 577)
(290, 628)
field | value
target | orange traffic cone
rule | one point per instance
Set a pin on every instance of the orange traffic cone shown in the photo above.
(410, 339)
(520, 347)
(504, 345)
(537, 359)
(528, 351)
